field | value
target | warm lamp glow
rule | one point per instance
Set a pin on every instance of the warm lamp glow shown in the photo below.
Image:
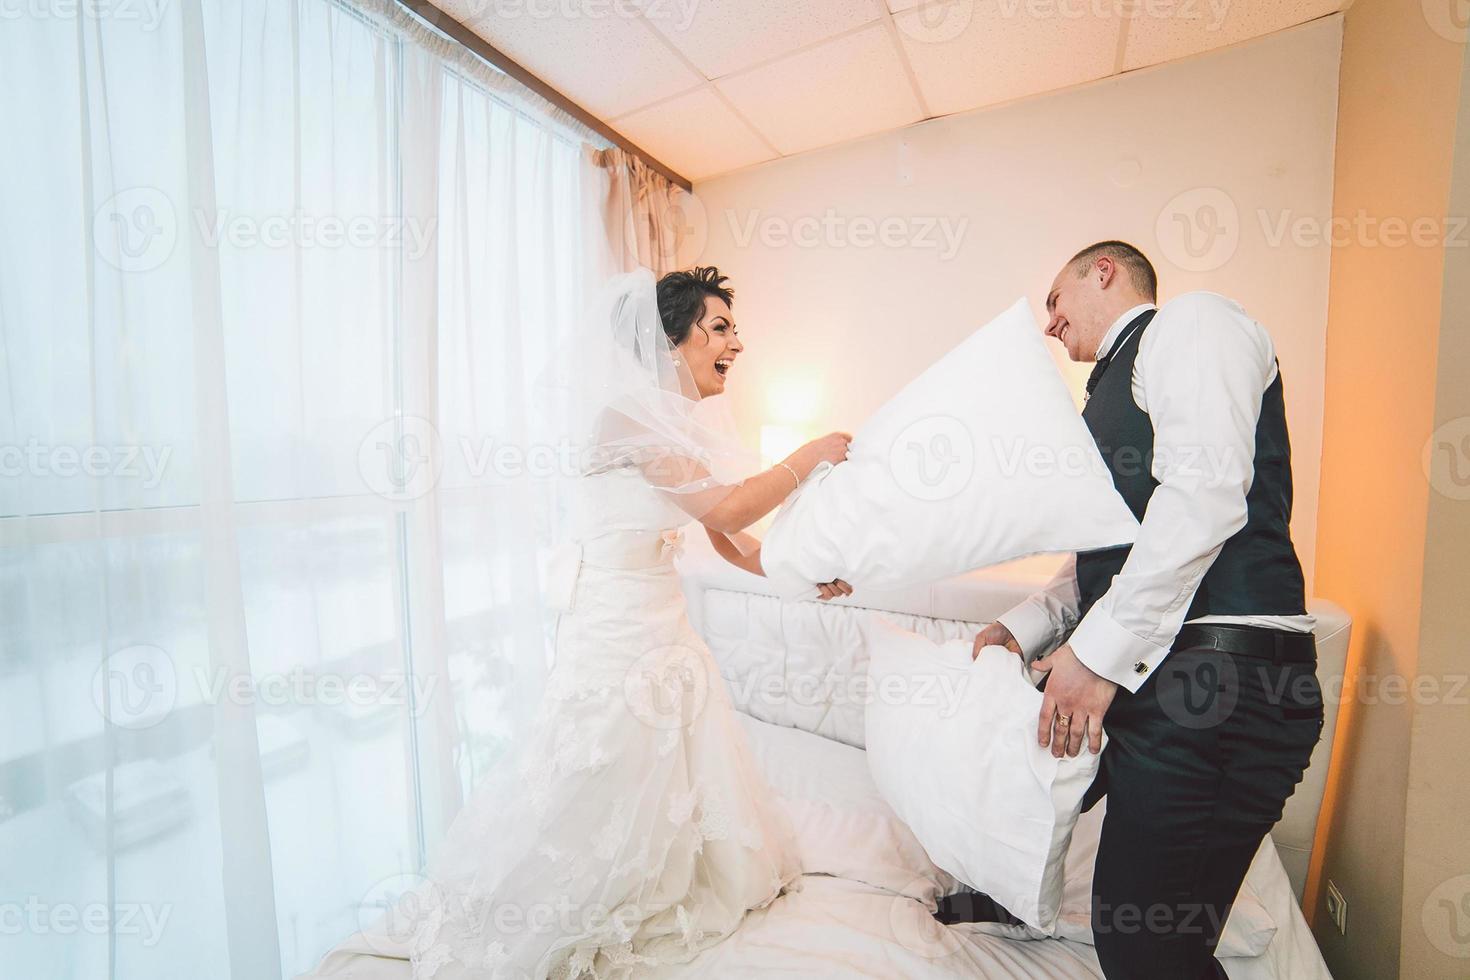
(779, 441)
(793, 400)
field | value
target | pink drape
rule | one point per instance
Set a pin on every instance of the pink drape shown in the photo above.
(644, 218)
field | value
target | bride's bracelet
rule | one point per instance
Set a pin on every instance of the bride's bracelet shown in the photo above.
(793, 474)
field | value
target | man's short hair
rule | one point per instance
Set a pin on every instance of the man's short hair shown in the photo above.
(1140, 270)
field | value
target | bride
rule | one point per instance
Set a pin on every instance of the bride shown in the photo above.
(636, 830)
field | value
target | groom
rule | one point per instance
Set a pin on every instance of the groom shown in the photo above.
(1192, 647)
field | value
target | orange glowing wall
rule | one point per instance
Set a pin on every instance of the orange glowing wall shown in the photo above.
(1399, 97)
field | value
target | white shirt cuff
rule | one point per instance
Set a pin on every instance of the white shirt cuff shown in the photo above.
(1110, 651)
(1033, 628)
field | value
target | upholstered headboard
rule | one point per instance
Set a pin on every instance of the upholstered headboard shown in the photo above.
(803, 664)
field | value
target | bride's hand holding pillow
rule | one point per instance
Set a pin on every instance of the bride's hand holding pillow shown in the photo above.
(761, 494)
(830, 448)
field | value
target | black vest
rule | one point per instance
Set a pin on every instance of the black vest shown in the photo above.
(1257, 572)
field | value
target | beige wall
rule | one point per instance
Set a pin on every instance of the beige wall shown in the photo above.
(1436, 916)
(1398, 100)
(835, 324)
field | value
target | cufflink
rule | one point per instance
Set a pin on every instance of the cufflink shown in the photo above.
(1140, 668)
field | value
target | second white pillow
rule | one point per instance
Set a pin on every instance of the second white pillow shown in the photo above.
(843, 826)
(952, 747)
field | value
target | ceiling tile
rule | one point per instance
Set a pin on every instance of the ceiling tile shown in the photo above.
(810, 74)
(845, 88)
(599, 56)
(724, 36)
(697, 134)
(968, 54)
(1162, 30)
(937, 10)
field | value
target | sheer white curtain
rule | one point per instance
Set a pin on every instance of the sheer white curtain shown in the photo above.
(274, 275)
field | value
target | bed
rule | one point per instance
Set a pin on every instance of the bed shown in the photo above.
(793, 669)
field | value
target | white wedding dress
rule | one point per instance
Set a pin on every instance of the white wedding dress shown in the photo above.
(636, 829)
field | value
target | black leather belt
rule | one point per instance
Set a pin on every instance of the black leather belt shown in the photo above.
(1258, 642)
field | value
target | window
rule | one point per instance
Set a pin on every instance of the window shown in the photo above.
(276, 279)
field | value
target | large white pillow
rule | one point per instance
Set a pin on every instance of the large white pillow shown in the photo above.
(952, 748)
(979, 460)
(843, 826)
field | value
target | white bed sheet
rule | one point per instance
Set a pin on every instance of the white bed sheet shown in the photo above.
(834, 927)
(838, 927)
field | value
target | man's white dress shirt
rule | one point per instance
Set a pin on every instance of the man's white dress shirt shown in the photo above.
(1202, 369)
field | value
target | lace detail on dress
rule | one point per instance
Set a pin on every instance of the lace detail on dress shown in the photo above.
(546, 766)
(433, 959)
(496, 956)
(639, 863)
(608, 840)
(681, 807)
(566, 685)
(714, 818)
(428, 955)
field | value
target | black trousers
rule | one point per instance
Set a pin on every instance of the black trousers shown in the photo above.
(1198, 765)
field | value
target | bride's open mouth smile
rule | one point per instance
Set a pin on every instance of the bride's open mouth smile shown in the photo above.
(722, 366)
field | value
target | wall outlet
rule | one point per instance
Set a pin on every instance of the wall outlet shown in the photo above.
(1336, 907)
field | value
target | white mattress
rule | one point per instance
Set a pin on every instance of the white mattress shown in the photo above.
(837, 927)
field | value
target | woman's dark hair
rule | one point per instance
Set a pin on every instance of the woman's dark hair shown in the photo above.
(682, 295)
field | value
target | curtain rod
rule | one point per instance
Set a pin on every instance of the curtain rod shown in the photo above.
(474, 42)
